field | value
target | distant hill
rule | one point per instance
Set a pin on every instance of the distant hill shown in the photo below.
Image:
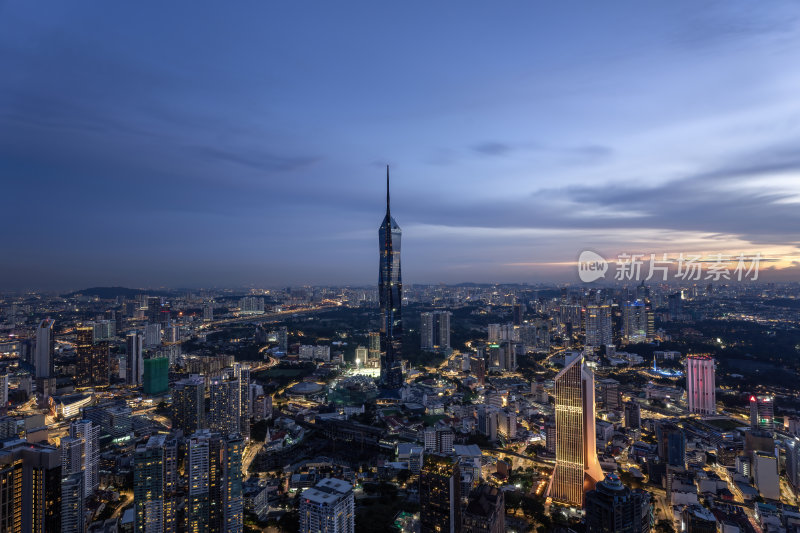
(109, 293)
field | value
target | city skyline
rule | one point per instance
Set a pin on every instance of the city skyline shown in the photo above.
(192, 162)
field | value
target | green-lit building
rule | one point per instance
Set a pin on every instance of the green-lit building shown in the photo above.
(156, 375)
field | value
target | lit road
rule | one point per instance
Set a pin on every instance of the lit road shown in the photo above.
(267, 316)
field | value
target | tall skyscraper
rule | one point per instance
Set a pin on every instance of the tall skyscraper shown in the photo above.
(45, 343)
(89, 435)
(633, 415)
(93, 365)
(242, 373)
(793, 461)
(135, 363)
(390, 289)
(72, 508)
(598, 326)
(374, 350)
(188, 404)
(634, 322)
(214, 468)
(440, 490)
(435, 331)
(671, 442)
(700, 385)
(225, 407)
(577, 468)
(762, 413)
(155, 477)
(611, 506)
(30, 489)
(328, 507)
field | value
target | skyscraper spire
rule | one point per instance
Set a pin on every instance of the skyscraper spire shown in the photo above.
(387, 189)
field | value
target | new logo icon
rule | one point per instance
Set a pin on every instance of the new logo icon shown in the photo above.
(591, 266)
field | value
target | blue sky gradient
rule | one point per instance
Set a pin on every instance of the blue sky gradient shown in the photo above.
(200, 144)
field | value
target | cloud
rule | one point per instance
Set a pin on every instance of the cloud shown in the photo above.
(492, 148)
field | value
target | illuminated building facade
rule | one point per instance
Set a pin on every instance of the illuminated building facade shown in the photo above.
(155, 484)
(328, 507)
(762, 413)
(93, 365)
(215, 502)
(43, 355)
(700, 385)
(577, 469)
(390, 289)
(440, 490)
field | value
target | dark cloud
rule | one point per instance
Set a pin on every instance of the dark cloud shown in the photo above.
(258, 161)
(492, 148)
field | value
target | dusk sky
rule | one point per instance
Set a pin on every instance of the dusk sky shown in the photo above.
(192, 144)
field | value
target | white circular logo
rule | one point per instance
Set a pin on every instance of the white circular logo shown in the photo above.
(591, 266)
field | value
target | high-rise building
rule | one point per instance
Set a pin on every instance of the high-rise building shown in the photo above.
(634, 321)
(72, 499)
(610, 395)
(152, 334)
(598, 326)
(251, 305)
(435, 331)
(134, 367)
(242, 373)
(633, 415)
(155, 477)
(3, 391)
(518, 313)
(328, 507)
(30, 488)
(156, 375)
(613, 507)
(214, 470)
(45, 343)
(762, 413)
(390, 289)
(440, 489)
(577, 468)
(485, 511)
(700, 385)
(374, 349)
(671, 442)
(188, 404)
(697, 519)
(89, 435)
(765, 475)
(93, 363)
(793, 461)
(225, 407)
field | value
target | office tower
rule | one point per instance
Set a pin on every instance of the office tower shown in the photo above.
(224, 410)
(30, 488)
(550, 436)
(675, 302)
(93, 365)
(762, 415)
(72, 519)
(242, 373)
(153, 308)
(634, 322)
(793, 461)
(577, 468)
(610, 396)
(155, 484)
(328, 507)
(765, 475)
(188, 405)
(478, 368)
(487, 421)
(152, 334)
(671, 443)
(283, 339)
(374, 348)
(598, 326)
(435, 331)
(135, 364)
(613, 507)
(633, 415)
(485, 511)
(156, 375)
(440, 489)
(518, 314)
(214, 471)
(208, 313)
(89, 435)
(45, 343)
(72, 459)
(700, 385)
(390, 289)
